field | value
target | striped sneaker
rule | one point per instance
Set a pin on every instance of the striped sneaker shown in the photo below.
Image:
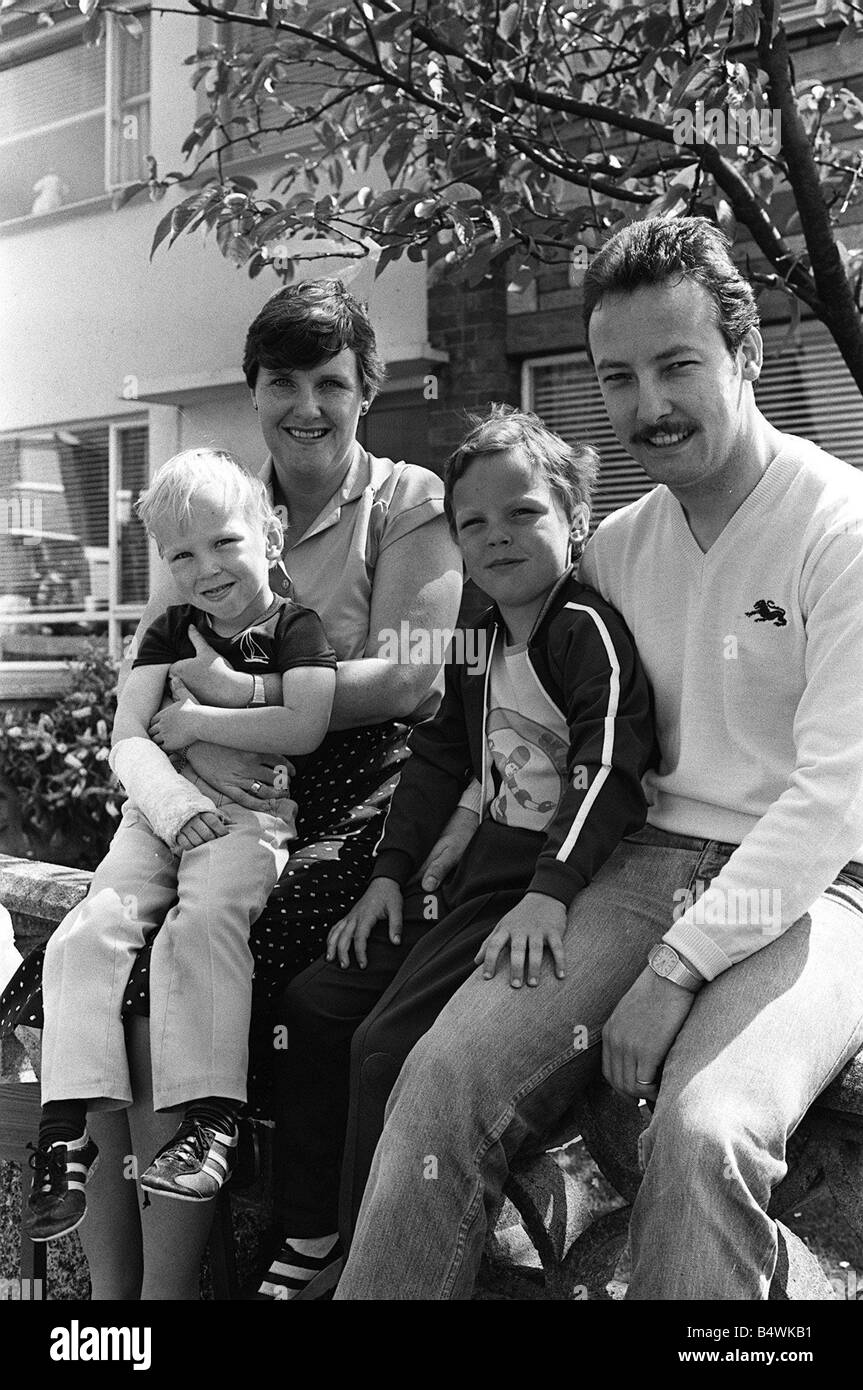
(193, 1165)
(57, 1202)
(293, 1275)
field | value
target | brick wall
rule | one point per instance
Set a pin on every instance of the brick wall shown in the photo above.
(469, 324)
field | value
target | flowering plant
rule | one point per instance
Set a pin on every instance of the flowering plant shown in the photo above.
(61, 794)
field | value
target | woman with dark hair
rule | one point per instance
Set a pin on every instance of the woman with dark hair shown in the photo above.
(366, 546)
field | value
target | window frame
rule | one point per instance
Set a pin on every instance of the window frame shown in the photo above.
(26, 48)
(111, 620)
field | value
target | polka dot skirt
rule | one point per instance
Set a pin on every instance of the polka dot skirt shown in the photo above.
(342, 791)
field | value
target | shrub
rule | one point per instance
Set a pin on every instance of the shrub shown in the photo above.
(57, 764)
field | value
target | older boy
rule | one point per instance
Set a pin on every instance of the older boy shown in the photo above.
(203, 872)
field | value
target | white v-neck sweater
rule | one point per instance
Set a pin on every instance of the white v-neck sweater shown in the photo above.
(755, 654)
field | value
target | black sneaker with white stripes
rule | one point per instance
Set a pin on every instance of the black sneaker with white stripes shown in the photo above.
(58, 1203)
(194, 1164)
(295, 1275)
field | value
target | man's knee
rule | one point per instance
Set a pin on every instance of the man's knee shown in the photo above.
(711, 1130)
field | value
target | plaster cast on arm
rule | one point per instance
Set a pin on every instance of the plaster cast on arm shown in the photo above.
(166, 798)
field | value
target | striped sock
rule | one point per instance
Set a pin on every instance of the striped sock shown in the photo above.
(61, 1121)
(216, 1111)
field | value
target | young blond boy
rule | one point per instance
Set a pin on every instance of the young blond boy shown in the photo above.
(200, 871)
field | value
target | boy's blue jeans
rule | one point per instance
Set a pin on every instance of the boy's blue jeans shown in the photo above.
(499, 1068)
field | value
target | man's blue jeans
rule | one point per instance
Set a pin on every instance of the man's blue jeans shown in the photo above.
(500, 1067)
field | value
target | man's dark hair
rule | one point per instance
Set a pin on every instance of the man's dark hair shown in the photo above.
(665, 248)
(306, 324)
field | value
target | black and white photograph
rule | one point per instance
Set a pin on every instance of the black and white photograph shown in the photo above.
(431, 670)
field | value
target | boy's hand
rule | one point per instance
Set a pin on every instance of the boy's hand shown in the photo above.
(535, 923)
(208, 675)
(207, 825)
(382, 898)
(448, 850)
(172, 727)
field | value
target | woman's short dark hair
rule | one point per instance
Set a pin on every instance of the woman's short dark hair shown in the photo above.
(308, 323)
(665, 248)
(569, 469)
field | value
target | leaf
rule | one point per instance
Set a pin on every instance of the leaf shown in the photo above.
(389, 253)
(125, 195)
(462, 225)
(132, 25)
(656, 28)
(161, 232)
(508, 21)
(500, 223)
(716, 13)
(746, 19)
(793, 226)
(792, 337)
(686, 79)
(94, 30)
(386, 29)
(462, 193)
(725, 217)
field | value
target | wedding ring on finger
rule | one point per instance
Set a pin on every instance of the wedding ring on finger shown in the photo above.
(256, 787)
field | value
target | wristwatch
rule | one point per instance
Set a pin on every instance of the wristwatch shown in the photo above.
(666, 963)
(259, 695)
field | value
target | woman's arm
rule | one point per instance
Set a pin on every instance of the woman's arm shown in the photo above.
(162, 595)
(418, 581)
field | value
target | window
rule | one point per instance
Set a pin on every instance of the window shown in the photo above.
(73, 555)
(76, 120)
(805, 390)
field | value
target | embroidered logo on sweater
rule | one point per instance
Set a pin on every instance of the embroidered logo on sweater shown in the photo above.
(766, 611)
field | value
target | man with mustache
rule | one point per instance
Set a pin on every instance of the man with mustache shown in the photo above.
(731, 1018)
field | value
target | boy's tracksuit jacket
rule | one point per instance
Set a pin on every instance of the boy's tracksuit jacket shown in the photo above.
(582, 654)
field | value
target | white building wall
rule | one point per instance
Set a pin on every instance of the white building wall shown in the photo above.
(85, 315)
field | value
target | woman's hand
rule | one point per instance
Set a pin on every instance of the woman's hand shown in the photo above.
(209, 677)
(536, 923)
(458, 832)
(382, 899)
(246, 778)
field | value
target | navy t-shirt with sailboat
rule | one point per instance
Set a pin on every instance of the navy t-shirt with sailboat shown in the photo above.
(285, 637)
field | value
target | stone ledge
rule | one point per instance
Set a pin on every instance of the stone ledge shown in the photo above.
(38, 896)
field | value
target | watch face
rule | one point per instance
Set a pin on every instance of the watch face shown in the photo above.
(663, 959)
